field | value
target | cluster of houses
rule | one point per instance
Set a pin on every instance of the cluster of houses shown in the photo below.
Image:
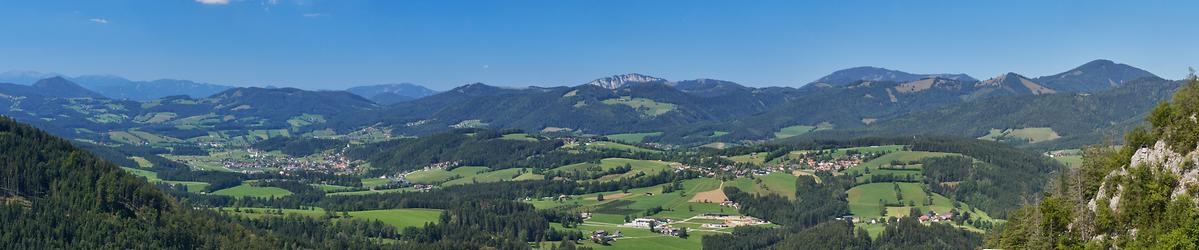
(730, 220)
(423, 187)
(832, 165)
(661, 226)
(601, 234)
(646, 222)
(256, 160)
(729, 203)
(934, 217)
(931, 216)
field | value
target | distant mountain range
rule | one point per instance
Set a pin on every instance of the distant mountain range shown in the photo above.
(116, 87)
(388, 94)
(857, 101)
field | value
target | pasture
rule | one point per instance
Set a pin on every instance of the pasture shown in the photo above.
(782, 184)
(633, 138)
(400, 218)
(247, 190)
(1032, 135)
(647, 107)
(489, 176)
(643, 166)
(518, 137)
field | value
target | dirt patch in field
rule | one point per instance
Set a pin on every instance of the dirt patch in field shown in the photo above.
(610, 196)
(803, 173)
(714, 196)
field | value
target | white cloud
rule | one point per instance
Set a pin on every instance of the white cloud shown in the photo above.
(99, 20)
(213, 2)
(315, 15)
(486, 66)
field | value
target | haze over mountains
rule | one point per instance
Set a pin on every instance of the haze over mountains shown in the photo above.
(865, 100)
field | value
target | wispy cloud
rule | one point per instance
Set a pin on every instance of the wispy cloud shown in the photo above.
(315, 15)
(213, 2)
(99, 20)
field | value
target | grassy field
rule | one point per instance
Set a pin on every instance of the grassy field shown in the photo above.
(305, 120)
(617, 146)
(255, 212)
(332, 188)
(475, 123)
(634, 203)
(380, 191)
(902, 156)
(777, 183)
(840, 152)
(632, 137)
(646, 107)
(675, 204)
(1070, 160)
(490, 176)
(798, 130)
(718, 145)
(529, 176)
(518, 137)
(638, 239)
(643, 166)
(793, 131)
(754, 158)
(434, 176)
(152, 177)
(1033, 135)
(864, 203)
(157, 117)
(864, 200)
(400, 218)
(374, 182)
(245, 189)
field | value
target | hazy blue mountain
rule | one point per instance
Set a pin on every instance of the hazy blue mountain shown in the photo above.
(24, 77)
(1094, 76)
(284, 103)
(876, 74)
(120, 88)
(388, 94)
(50, 87)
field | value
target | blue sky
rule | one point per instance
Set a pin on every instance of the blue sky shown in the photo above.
(336, 44)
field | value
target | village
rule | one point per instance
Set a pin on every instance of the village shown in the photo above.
(255, 161)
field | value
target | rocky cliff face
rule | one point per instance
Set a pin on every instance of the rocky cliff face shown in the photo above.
(1159, 157)
(618, 81)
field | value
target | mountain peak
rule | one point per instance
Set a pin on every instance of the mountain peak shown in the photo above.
(1016, 83)
(1099, 62)
(1094, 75)
(853, 75)
(61, 87)
(618, 81)
(392, 93)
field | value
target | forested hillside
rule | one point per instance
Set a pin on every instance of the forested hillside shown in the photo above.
(1079, 119)
(57, 196)
(1137, 196)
